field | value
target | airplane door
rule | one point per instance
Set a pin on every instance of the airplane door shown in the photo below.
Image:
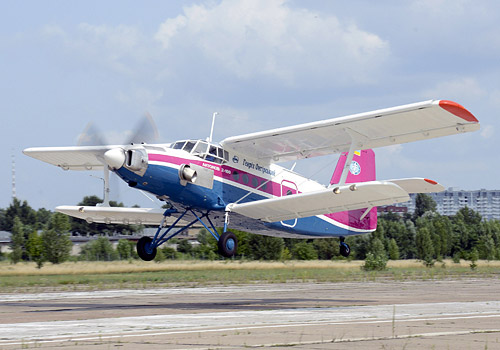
(288, 188)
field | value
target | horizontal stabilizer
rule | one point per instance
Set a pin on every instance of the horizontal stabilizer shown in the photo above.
(114, 215)
(330, 200)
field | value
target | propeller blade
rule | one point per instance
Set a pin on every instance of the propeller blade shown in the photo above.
(145, 131)
(91, 136)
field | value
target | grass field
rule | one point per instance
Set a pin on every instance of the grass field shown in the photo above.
(140, 274)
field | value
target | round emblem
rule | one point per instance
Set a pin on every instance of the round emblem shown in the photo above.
(355, 168)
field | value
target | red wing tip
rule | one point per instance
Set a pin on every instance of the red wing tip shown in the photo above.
(432, 182)
(458, 110)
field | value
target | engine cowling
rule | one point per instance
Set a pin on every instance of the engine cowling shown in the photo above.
(186, 173)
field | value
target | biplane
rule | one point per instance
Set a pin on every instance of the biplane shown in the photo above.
(238, 183)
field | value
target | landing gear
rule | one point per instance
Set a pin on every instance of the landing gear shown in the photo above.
(345, 250)
(227, 244)
(145, 250)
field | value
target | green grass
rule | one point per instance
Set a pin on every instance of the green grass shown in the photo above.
(92, 276)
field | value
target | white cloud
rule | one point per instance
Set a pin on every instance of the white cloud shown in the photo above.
(252, 39)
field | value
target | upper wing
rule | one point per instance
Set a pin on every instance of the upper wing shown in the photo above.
(363, 195)
(379, 128)
(71, 158)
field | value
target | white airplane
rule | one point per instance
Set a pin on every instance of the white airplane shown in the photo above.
(238, 183)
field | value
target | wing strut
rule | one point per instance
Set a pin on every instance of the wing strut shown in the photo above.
(105, 202)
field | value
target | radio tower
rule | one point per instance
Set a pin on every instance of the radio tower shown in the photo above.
(13, 175)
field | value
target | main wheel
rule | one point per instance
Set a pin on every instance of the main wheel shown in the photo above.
(144, 249)
(345, 250)
(228, 243)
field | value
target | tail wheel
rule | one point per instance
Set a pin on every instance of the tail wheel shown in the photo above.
(228, 243)
(345, 250)
(144, 249)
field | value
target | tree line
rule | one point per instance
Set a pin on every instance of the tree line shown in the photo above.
(40, 235)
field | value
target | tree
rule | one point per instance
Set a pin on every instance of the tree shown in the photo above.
(326, 249)
(99, 249)
(425, 248)
(17, 240)
(376, 259)
(266, 247)
(56, 242)
(304, 251)
(21, 210)
(126, 249)
(393, 250)
(184, 246)
(34, 247)
(423, 203)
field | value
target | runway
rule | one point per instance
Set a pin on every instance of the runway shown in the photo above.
(462, 314)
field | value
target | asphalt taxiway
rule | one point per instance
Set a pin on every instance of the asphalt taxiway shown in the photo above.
(443, 314)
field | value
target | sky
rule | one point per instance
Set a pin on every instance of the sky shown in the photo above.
(259, 63)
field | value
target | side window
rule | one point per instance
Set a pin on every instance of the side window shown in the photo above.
(178, 145)
(255, 182)
(189, 146)
(201, 148)
(264, 186)
(236, 175)
(220, 153)
(245, 178)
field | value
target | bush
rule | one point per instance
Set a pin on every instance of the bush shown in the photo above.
(126, 250)
(374, 263)
(304, 251)
(376, 259)
(100, 249)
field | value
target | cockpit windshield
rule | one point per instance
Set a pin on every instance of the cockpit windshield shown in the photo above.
(203, 149)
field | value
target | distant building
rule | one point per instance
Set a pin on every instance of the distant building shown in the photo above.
(450, 201)
(392, 209)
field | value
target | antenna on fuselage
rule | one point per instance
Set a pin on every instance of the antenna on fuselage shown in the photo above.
(212, 128)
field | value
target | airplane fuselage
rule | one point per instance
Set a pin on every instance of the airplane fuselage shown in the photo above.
(233, 178)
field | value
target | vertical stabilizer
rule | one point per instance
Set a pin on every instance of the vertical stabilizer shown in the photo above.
(362, 169)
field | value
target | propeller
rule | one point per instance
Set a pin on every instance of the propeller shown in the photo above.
(145, 131)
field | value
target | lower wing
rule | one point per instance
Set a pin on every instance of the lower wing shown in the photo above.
(332, 200)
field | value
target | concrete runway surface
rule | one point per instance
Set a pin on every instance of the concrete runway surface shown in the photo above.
(444, 314)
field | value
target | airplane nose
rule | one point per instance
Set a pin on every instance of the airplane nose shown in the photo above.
(115, 158)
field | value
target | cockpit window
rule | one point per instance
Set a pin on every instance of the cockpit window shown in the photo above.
(178, 145)
(201, 148)
(189, 146)
(204, 150)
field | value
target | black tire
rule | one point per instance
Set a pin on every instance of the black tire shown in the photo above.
(228, 244)
(142, 251)
(345, 250)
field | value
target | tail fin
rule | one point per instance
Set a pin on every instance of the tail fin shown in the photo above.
(362, 169)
